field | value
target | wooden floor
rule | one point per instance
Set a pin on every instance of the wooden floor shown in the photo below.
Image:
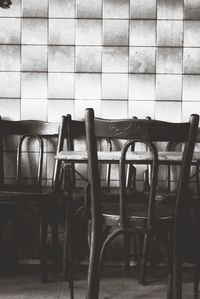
(115, 284)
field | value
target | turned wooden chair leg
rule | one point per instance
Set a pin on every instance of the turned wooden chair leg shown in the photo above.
(145, 257)
(43, 245)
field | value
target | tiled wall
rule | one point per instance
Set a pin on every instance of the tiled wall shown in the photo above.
(122, 57)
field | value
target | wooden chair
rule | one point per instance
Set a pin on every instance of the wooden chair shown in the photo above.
(28, 141)
(123, 216)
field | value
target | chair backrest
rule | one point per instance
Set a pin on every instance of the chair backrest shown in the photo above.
(23, 138)
(137, 130)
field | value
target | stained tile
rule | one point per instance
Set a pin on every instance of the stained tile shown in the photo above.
(38, 36)
(168, 111)
(34, 58)
(34, 109)
(115, 32)
(81, 105)
(13, 11)
(61, 85)
(192, 33)
(170, 33)
(142, 9)
(34, 85)
(88, 32)
(189, 108)
(116, 9)
(89, 9)
(38, 10)
(57, 108)
(142, 33)
(115, 86)
(169, 60)
(10, 109)
(10, 58)
(9, 85)
(115, 60)
(141, 109)
(172, 9)
(141, 87)
(142, 59)
(168, 87)
(61, 9)
(121, 109)
(88, 86)
(61, 59)
(11, 31)
(191, 87)
(192, 9)
(88, 59)
(191, 60)
(61, 31)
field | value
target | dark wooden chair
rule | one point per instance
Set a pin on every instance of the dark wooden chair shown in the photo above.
(126, 217)
(24, 145)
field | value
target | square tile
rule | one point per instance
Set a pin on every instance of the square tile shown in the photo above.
(34, 85)
(116, 9)
(88, 32)
(142, 33)
(10, 109)
(120, 111)
(81, 105)
(61, 9)
(61, 31)
(115, 32)
(191, 60)
(192, 9)
(11, 31)
(89, 9)
(115, 60)
(34, 58)
(13, 11)
(141, 109)
(88, 59)
(38, 10)
(170, 9)
(169, 60)
(170, 33)
(10, 58)
(57, 108)
(38, 36)
(168, 87)
(34, 109)
(61, 85)
(189, 108)
(9, 85)
(192, 33)
(115, 86)
(142, 87)
(168, 111)
(142, 9)
(191, 87)
(88, 86)
(142, 59)
(61, 59)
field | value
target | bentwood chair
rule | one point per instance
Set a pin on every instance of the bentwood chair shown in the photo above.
(125, 217)
(24, 150)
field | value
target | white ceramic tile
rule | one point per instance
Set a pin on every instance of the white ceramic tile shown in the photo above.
(115, 32)
(141, 109)
(11, 31)
(88, 32)
(192, 9)
(142, 33)
(81, 105)
(38, 36)
(61, 85)
(191, 60)
(142, 9)
(38, 10)
(89, 9)
(142, 87)
(61, 9)
(189, 108)
(142, 59)
(61, 31)
(191, 87)
(34, 58)
(10, 58)
(88, 59)
(169, 60)
(170, 33)
(13, 11)
(57, 108)
(61, 59)
(115, 86)
(114, 109)
(88, 86)
(34, 109)
(116, 9)
(10, 109)
(9, 84)
(192, 33)
(169, 87)
(172, 9)
(34, 85)
(115, 60)
(168, 111)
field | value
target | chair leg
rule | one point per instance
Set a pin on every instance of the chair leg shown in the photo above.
(169, 247)
(145, 257)
(43, 245)
(196, 281)
(177, 279)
